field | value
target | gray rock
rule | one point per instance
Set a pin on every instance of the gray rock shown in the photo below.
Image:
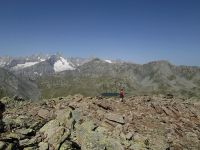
(54, 133)
(115, 118)
(76, 115)
(10, 146)
(24, 142)
(50, 127)
(64, 116)
(67, 145)
(129, 136)
(2, 145)
(138, 142)
(43, 146)
(137, 146)
(29, 142)
(29, 148)
(43, 113)
(13, 121)
(15, 136)
(25, 131)
(4, 100)
(93, 140)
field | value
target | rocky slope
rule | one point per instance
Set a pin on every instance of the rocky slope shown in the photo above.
(12, 85)
(99, 123)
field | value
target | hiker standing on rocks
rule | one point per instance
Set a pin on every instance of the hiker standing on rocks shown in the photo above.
(121, 95)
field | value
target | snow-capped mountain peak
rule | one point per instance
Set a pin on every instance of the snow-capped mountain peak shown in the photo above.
(38, 65)
(62, 65)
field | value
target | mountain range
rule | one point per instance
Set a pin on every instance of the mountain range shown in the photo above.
(46, 76)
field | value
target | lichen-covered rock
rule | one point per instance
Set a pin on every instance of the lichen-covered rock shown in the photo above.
(76, 115)
(43, 146)
(25, 131)
(29, 148)
(2, 145)
(50, 127)
(6, 100)
(54, 133)
(64, 117)
(90, 139)
(137, 146)
(67, 145)
(29, 142)
(14, 135)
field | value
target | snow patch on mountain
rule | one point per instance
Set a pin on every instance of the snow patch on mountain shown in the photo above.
(2, 63)
(108, 61)
(41, 59)
(62, 64)
(25, 65)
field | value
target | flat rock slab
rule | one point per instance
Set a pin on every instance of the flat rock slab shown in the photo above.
(115, 118)
(25, 131)
(43, 113)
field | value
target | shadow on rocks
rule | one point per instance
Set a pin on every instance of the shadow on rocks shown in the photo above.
(2, 109)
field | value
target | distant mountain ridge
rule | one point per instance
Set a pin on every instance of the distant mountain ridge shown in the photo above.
(98, 76)
(38, 65)
(56, 76)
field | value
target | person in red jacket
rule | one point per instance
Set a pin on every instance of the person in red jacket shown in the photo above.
(121, 95)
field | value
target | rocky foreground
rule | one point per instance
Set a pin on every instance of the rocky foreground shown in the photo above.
(96, 123)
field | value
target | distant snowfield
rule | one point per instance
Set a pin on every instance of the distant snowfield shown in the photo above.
(2, 63)
(108, 61)
(41, 59)
(27, 64)
(62, 65)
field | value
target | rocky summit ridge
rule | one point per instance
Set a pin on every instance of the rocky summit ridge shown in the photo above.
(101, 123)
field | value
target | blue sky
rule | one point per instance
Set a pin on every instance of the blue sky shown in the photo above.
(134, 30)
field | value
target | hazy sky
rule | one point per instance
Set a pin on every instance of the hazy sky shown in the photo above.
(135, 30)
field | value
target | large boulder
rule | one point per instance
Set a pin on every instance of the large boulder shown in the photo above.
(90, 139)
(2, 145)
(54, 133)
(64, 117)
